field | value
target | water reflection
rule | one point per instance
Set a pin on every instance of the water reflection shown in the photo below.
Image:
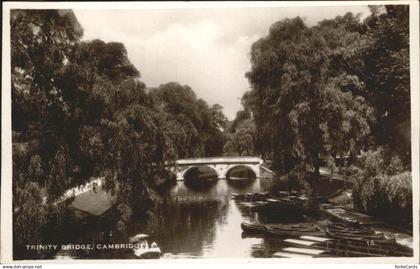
(205, 222)
(196, 222)
(246, 184)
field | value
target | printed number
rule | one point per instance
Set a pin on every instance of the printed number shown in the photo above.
(370, 243)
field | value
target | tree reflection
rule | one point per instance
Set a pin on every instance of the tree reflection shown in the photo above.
(186, 227)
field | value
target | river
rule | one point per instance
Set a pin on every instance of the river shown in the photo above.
(196, 221)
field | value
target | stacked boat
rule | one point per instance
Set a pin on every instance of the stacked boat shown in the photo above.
(284, 230)
(355, 243)
(329, 239)
(293, 201)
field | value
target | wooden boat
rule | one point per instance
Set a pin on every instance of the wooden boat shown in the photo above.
(385, 250)
(261, 204)
(245, 234)
(288, 254)
(352, 232)
(247, 204)
(390, 248)
(293, 229)
(342, 235)
(285, 202)
(283, 232)
(349, 228)
(338, 214)
(337, 248)
(237, 196)
(254, 228)
(374, 239)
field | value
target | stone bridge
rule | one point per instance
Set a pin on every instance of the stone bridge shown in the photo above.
(220, 165)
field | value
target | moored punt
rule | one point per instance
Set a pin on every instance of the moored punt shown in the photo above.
(339, 235)
(315, 238)
(339, 214)
(352, 232)
(238, 196)
(283, 232)
(345, 227)
(261, 195)
(300, 242)
(308, 251)
(254, 228)
(341, 249)
(284, 254)
(247, 205)
(245, 234)
(293, 229)
(392, 249)
(371, 239)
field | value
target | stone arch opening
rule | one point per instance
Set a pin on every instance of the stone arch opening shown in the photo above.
(200, 172)
(241, 172)
(200, 177)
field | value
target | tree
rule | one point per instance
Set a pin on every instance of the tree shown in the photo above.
(40, 43)
(387, 69)
(304, 105)
(241, 136)
(195, 128)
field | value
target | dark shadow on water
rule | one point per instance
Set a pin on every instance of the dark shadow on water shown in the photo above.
(240, 177)
(200, 178)
(240, 184)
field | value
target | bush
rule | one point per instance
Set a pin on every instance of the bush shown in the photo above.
(382, 187)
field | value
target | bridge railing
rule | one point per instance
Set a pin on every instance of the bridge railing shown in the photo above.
(214, 160)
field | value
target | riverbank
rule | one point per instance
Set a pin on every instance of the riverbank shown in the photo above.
(342, 198)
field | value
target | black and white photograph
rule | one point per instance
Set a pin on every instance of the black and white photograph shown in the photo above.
(218, 131)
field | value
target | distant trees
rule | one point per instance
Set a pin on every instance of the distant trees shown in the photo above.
(241, 135)
(195, 129)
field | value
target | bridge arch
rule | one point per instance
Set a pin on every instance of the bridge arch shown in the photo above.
(190, 168)
(220, 165)
(251, 168)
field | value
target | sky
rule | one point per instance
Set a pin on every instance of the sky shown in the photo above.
(207, 49)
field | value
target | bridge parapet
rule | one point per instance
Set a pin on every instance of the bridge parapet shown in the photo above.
(220, 160)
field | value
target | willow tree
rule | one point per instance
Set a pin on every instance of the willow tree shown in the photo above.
(387, 76)
(304, 103)
(41, 42)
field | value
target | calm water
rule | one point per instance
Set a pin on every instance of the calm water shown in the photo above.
(194, 221)
(206, 222)
(197, 221)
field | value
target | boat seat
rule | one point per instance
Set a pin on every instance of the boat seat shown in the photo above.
(282, 254)
(300, 242)
(307, 251)
(315, 238)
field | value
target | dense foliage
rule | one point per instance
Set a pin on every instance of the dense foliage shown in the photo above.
(241, 135)
(382, 186)
(193, 128)
(80, 111)
(338, 89)
(331, 89)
